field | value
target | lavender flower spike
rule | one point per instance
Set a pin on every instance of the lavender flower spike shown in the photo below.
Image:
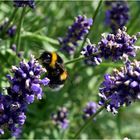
(25, 85)
(117, 46)
(76, 32)
(122, 87)
(26, 82)
(60, 118)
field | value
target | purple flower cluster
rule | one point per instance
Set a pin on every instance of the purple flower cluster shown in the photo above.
(118, 45)
(25, 86)
(60, 118)
(92, 55)
(23, 3)
(90, 109)
(26, 81)
(11, 31)
(117, 14)
(114, 46)
(76, 32)
(122, 87)
(12, 114)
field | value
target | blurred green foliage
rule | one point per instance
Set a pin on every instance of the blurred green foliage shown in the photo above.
(51, 19)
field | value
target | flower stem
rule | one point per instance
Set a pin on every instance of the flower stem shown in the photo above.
(10, 19)
(119, 122)
(80, 58)
(94, 17)
(88, 122)
(19, 29)
(75, 60)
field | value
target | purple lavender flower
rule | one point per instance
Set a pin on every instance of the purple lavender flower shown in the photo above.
(90, 109)
(11, 31)
(118, 45)
(60, 118)
(117, 14)
(23, 3)
(122, 87)
(26, 82)
(88, 52)
(12, 115)
(76, 32)
(25, 85)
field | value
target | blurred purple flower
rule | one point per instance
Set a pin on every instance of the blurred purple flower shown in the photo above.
(23, 3)
(13, 47)
(11, 31)
(90, 109)
(117, 14)
(76, 32)
(60, 118)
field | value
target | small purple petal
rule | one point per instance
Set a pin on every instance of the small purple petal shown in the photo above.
(30, 98)
(35, 88)
(45, 81)
(16, 88)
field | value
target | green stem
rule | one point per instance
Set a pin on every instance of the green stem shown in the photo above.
(108, 64)
(39, 37)
(10, 20)
(118, 121)
(88, 122)
(81, 58)
(19, 29)
(75, 60)
(94, 17)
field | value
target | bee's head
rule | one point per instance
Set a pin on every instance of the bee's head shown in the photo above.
(45, 57)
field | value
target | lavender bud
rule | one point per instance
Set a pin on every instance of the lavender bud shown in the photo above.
(90, 109)
(60, 118)
(89, 51)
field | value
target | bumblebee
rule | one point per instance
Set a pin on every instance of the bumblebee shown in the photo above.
(49, 59)
(55, 69)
